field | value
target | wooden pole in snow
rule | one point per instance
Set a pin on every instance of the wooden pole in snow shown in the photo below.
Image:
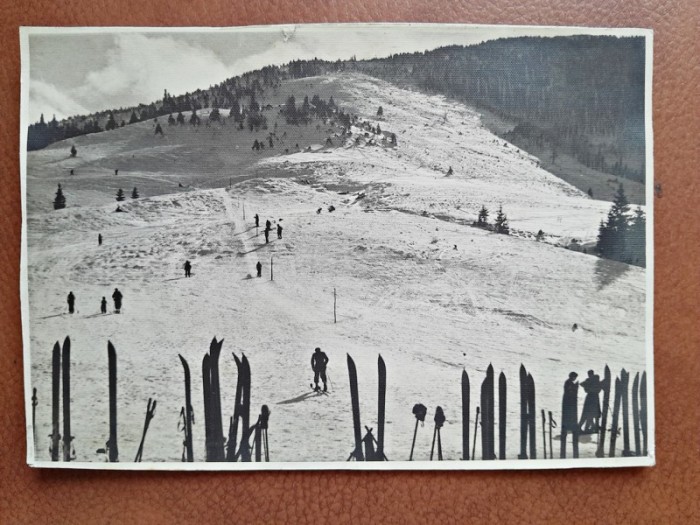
(271, 274)
(244, 211)
(335, 319)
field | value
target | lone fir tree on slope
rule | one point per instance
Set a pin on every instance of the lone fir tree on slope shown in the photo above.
(483, 218)
(60, 201)
(501, 222)
(612, 234)
(135, 193)
(120, 195)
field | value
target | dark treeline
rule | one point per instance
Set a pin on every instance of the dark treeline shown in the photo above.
(582, 95)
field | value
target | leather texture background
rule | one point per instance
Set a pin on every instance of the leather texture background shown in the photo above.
(664, 494)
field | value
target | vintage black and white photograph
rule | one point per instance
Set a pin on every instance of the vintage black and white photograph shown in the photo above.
(320, 246)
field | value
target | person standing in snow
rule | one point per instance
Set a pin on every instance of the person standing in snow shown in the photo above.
(267, 235)
(258, 267)
(319, 360)
(591, 405)
(257, 220)
(71, 303)
(279, 231)
(188, 269)
(99, 239)
(268, 225)
(117, 296)
(569, 414)
(103, 306)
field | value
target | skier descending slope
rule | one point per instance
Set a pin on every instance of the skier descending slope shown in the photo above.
(319, 360)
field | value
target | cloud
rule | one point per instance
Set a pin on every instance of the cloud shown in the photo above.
(140, 67)
(47, 99)
(137, 69)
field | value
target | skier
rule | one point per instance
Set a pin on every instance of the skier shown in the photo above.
(279, 231)
(116, 172)
(258, 267)
(188, 269)
(591, 405)
(268, 224)
(569, 414)
(99, 239)
(267, 235)
(103, 306)
(257, 220)
(71, 303)
(117, 296)
(319, 360)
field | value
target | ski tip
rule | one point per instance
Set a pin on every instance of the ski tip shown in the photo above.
(66, 342)
(56, 347)
(110, 347)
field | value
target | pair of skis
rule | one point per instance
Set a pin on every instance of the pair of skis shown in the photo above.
(60, 376)
(487, 413)
(241, 416)
(369, 441)
(213, 425)
(639, 415)
(527, 416)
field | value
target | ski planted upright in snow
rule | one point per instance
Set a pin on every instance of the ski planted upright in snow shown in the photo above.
(502, 416)
(381, 407)
(188, 414)
(67, 437)
(355, 400)
(465, 416)
(607, 383)
(55, 400)
(635, 416)
(487, 416)
(112, 446)
(241, 415)
(643, 413)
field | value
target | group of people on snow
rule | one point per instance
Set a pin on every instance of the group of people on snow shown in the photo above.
(116, 296)
(588, 423)
(268, 228)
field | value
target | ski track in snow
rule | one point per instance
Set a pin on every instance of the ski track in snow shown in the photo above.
(431, 295)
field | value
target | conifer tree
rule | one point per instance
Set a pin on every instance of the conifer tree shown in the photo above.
(501, 222)
(380, 112)
(636, 239)
(158, 130)
(111, 123)
(612, 234)
(120, 195)
(73, 151)
(483, 218)
(134, 118)
(180, 118)
(134, 193)
(60, 201)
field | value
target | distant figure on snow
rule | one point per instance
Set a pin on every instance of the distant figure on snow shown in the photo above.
(257, 220)
(71, 303)
(569, 414)
(319, 211)
(319, 360)
(72, 172)
(279, 231)
(268, 224)
(117, 296)
(116, 172)
(103, 306)
(267, 235)
(119, 209)
(99, 239)
(591, 405)
(188, 269)
(258, 267)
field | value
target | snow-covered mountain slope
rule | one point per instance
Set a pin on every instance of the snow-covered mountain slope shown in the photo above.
(428, 292)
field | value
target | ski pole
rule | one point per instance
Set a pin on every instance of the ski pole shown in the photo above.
(544, 441)
(419, 411)
(476, 427)
(552, 424)
(150, 412)
(34, 403)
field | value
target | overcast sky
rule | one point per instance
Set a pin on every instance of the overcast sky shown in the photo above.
(77, 71)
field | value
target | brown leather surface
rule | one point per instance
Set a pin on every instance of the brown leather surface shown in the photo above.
(664, 494)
